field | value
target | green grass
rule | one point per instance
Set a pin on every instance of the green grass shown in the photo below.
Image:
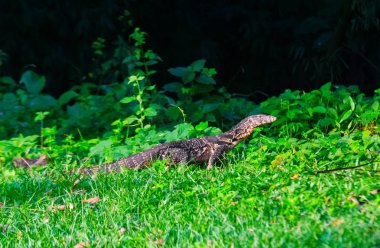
(264, 194)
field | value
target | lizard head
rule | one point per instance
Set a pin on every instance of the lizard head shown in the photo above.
(245, 127)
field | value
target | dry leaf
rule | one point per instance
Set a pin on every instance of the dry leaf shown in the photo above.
(374, 192)
(232, 245)
(80, 245)
(76, 182)
(71, 206)
(295, 176)
(92, 200)
(122, 230)
(61, 207)
(354, 200)
(337, 222)
(46, 220)
(1, 204)
(159, 241)
(234, 203)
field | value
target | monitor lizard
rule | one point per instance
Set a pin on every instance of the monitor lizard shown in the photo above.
(196, 150)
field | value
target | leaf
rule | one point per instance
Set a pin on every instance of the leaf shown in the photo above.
(295, 176)
(326, 88)
(345, 116)
(100, 147)
(150, 112)
(234, 203)
(205, 79)
(209, 71)
(173, 113)
(338, 222)
(198, 65)
(178, 71)
(188, 77)
(354, 200)
(319, 109)
(33, 82)
(66, 97)
(92, 200)
(375, 106)
(128, 99)
(80, 245)
(159, 242)
(76, 183)
(208, 107)
(352, 103)
(122, 230)
(201, 126)
(7, 80)
(61, 207)
(130, 120)
(150, 87)
(42, 101)
(173, 87)
(71, 206)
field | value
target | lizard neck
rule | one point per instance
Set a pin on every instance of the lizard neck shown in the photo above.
(246, 127)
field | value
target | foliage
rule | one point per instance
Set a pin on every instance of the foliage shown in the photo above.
(325, 110)
(308, 179)
(267, 192)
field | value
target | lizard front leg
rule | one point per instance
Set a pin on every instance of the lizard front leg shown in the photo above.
(215, 155)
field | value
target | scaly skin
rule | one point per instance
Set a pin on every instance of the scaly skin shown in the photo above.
(198, 150)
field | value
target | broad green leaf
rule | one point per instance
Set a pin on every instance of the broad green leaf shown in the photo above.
(150, 112)
(345, 116)
(326, 88)
(7, 80)
(130, 120)
(40, 116)
(99, 148)
(128, 99)
(208, 107)
(33, 82)
(178, 71)
(209, 71)
(173, 113)
(173, 87)
(188, 77)
(205, 79)
(319, 109)
(66, 97)
(375, 105)
(150, 87)
(201, 126)
(352, 103)
(42, 102)
(198, 65)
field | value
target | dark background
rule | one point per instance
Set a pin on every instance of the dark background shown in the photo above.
(257, 47)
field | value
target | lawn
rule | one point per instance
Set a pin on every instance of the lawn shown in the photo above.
(265, 193)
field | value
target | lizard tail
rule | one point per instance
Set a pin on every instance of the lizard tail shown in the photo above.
(136, 161)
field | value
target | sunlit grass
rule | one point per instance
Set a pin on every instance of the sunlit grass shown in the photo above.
(251, 200)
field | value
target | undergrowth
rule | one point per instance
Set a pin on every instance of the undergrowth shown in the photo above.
(309, 179)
